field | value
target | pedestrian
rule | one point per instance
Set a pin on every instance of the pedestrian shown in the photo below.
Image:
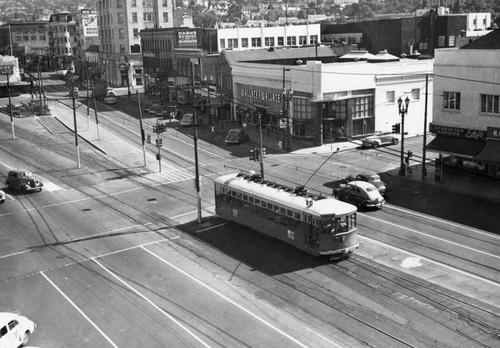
(129, 93)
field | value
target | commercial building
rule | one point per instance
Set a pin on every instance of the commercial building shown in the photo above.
(466, 112)
(328, 102)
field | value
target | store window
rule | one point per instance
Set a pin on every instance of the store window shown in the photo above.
(281, 41)
(451, 41)
(302, 40)
(313, 39)
(490, 104)
(165, 17)
(451, 100)
(222, 44)
(291, 41)
(244, 42)
(232, 43)
(415, 94)
(390, 97)
(134, 17)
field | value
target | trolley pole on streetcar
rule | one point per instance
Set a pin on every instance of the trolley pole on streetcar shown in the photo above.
(261, 157)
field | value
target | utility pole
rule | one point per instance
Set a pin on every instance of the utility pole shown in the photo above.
(76, 130)
(424, 169)
(7, 70)
(197, 178)
(95, 110)
(142, 129)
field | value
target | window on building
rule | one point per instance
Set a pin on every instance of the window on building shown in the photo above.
(256, 42)
(26, 38)
(490, 103)
(136, 32)
(302, 40)
(269, 41)
(164, 3)
(451, 41)
(134, 17)
(281, 41)
(147, 3)
(363, 107)
(415, 94)
(232, 43)
(423, 46)
(441, 41)
(119, 3)
(291, 40)
(133, 3)
(302, 109)
(165, 17)
(451, 100)
(121, 33)
(244, 42)
(313, 39)
(120, 17)
(484, 21)
(33, 37)
(390, 97)
(148, 17)
(122, 48)
(222, 44)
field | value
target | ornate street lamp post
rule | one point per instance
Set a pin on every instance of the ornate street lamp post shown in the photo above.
(403, 110)
(287, 97)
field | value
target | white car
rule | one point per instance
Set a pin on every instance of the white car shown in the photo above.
(2, 196)
(14, 330)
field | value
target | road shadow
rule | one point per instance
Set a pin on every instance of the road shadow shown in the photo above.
(256, 250)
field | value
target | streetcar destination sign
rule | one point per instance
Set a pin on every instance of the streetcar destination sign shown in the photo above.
(6, 69)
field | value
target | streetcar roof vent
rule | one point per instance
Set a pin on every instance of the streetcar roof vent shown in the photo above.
(299, 190)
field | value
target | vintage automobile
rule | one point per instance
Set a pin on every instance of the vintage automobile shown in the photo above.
(373, 179)
(15, 330)
(2, 196)
(379, 139)
(23, 180)
(189, 120)
(362, 194)
(110, 99)
(236, 136)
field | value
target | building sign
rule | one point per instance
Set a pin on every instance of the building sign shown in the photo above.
(89, 24)
(270, 96)
(187, 38)
(456, 132)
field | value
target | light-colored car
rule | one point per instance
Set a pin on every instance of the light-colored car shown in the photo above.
(372, 178)
(189, 120)
(2, 196)
(362, 194)
(236, 136)
(110, 99)
(379, 139)
(14, 330)
(23, 180)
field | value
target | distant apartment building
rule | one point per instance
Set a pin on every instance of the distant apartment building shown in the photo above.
(466, 108)
(120, 23)
(266, 36)
(63, 41)
(28, 40)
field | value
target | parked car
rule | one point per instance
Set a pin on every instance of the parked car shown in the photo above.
(2, 196)
(236, 136)
(373, 179)
(23, 180)
(189, 120)
(110, 99)
(379, 139)
(362, 194)
(14, 330)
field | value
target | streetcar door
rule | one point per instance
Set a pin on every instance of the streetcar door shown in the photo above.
(309, 234)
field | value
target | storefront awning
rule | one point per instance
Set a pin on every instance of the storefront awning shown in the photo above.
(456, 146)
(490, 153)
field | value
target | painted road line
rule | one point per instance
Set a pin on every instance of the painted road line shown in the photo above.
(79, 310)
(178, 323)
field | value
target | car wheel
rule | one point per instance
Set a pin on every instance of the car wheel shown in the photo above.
(395, 141)
(25, 338)
(336, 195)
(375, 145)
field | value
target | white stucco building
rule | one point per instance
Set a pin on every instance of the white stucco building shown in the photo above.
(466, 111)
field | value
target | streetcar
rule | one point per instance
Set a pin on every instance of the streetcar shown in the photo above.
(313, 223)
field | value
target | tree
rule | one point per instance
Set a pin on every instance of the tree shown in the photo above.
(301, 15)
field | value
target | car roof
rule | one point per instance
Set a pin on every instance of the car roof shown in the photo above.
(19, 171)
(362, 184)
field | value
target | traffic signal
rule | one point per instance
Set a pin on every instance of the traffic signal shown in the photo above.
(155, 128)
(263, 152)
(257, 154)
(410, 153)
(396, 128)
(251, 156)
